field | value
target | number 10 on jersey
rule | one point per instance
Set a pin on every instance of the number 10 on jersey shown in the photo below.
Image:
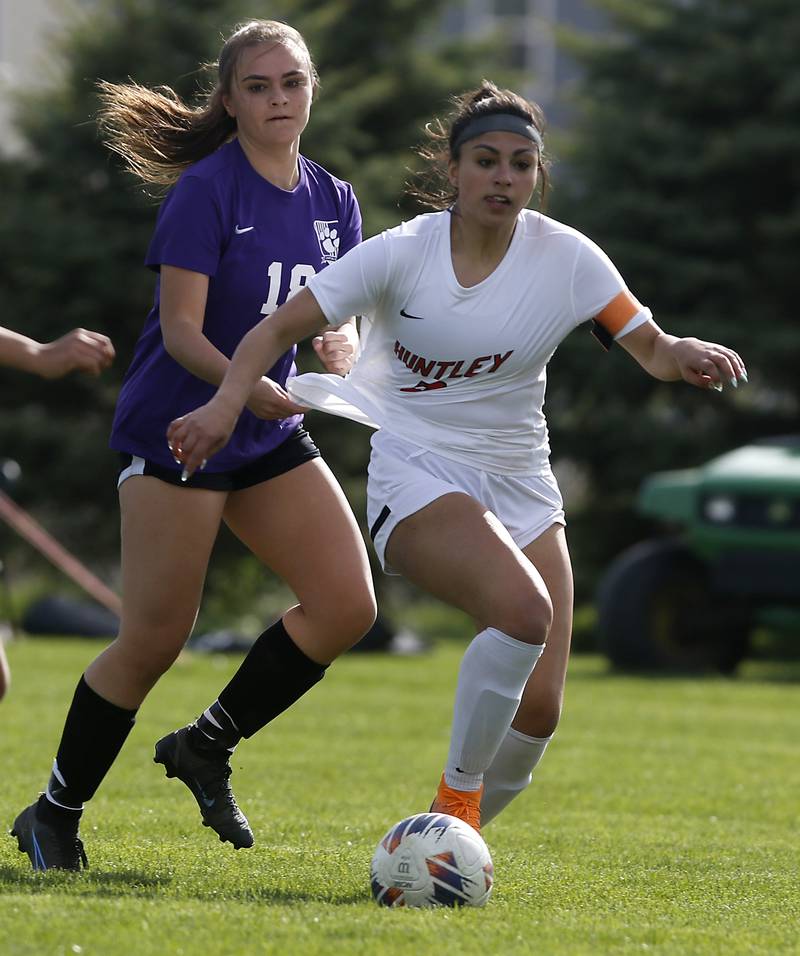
(301, 273)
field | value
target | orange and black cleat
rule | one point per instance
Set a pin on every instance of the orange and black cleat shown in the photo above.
(464, 804)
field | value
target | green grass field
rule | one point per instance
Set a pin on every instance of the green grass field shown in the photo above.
(664, 820)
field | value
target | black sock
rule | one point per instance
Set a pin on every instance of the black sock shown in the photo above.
(48, 812)
(214, 730)
(93, 735)
(271, 678)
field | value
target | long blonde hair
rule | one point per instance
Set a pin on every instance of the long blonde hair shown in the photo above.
(158, 135)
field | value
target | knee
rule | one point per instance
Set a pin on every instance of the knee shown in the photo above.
(546, 723)
(156, 665)
(147, 668)
(527, 617)
(539, 717)
(147, 662)
(332, 629)
(368, 615)
(356, 619)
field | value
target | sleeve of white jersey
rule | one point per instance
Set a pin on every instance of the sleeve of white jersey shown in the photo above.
(595, 281)
(599, 292)
(354, 284)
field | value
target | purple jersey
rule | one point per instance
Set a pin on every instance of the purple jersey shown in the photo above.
(258, 244)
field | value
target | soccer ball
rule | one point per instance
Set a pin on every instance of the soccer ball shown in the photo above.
(431, 859)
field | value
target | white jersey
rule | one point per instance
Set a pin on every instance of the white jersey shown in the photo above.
(460, 371)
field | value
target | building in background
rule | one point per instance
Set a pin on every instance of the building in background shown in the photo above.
(26, 56)
(528, 29)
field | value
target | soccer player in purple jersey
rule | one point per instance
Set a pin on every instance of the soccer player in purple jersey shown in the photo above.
(247, 222)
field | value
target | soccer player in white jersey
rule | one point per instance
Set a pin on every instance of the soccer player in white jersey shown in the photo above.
(466, 307)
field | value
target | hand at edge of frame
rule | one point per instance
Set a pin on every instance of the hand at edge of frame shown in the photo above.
(708, 365)
(79, 350)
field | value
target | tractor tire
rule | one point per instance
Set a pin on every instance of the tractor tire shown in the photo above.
(657, 612)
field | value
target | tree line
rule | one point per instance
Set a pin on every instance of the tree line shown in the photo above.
(680, 161)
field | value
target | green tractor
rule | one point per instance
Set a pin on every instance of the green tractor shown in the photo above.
(690, 601)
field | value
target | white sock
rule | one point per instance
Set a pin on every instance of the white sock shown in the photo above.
(493, 674)
(511, 771)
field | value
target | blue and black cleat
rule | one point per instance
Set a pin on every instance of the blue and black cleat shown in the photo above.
(206, 773)
(49, 846)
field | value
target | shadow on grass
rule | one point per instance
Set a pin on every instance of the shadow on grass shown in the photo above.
(89, 882)
(273, 896)
(137, 884)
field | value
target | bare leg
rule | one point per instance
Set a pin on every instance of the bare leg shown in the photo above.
(167, 536)
(540, 708)
(301, 526)
(5, 671)
(458, 551)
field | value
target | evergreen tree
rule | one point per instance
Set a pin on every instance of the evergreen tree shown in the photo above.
(684, 168)
(72, 240)
(75, 227)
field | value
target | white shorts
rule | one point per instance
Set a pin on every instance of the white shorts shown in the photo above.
(403, 478)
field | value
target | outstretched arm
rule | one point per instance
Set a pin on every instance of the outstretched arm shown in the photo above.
(78, 350)
(195, 437)
(668, 358)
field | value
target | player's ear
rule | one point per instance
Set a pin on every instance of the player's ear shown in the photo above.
(227, 102)
(452, 172)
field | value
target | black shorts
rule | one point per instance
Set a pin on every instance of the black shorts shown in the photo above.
(298, 448)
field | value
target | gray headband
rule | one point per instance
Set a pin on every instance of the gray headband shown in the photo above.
(497, 123)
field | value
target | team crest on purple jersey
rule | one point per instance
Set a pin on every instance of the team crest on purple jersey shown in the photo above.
(328, 237)
(258, 245)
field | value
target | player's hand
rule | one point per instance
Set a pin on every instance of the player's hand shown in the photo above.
(195, 437)
(78, 350)
(337, 348)
(708, 365)
(268, 400)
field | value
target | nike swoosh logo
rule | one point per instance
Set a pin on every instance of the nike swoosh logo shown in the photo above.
(208, 801)
(38, 856)
(240, 232)
(407, 316)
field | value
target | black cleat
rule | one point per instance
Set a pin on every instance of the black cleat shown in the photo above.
(206, 774)
(49, 846)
